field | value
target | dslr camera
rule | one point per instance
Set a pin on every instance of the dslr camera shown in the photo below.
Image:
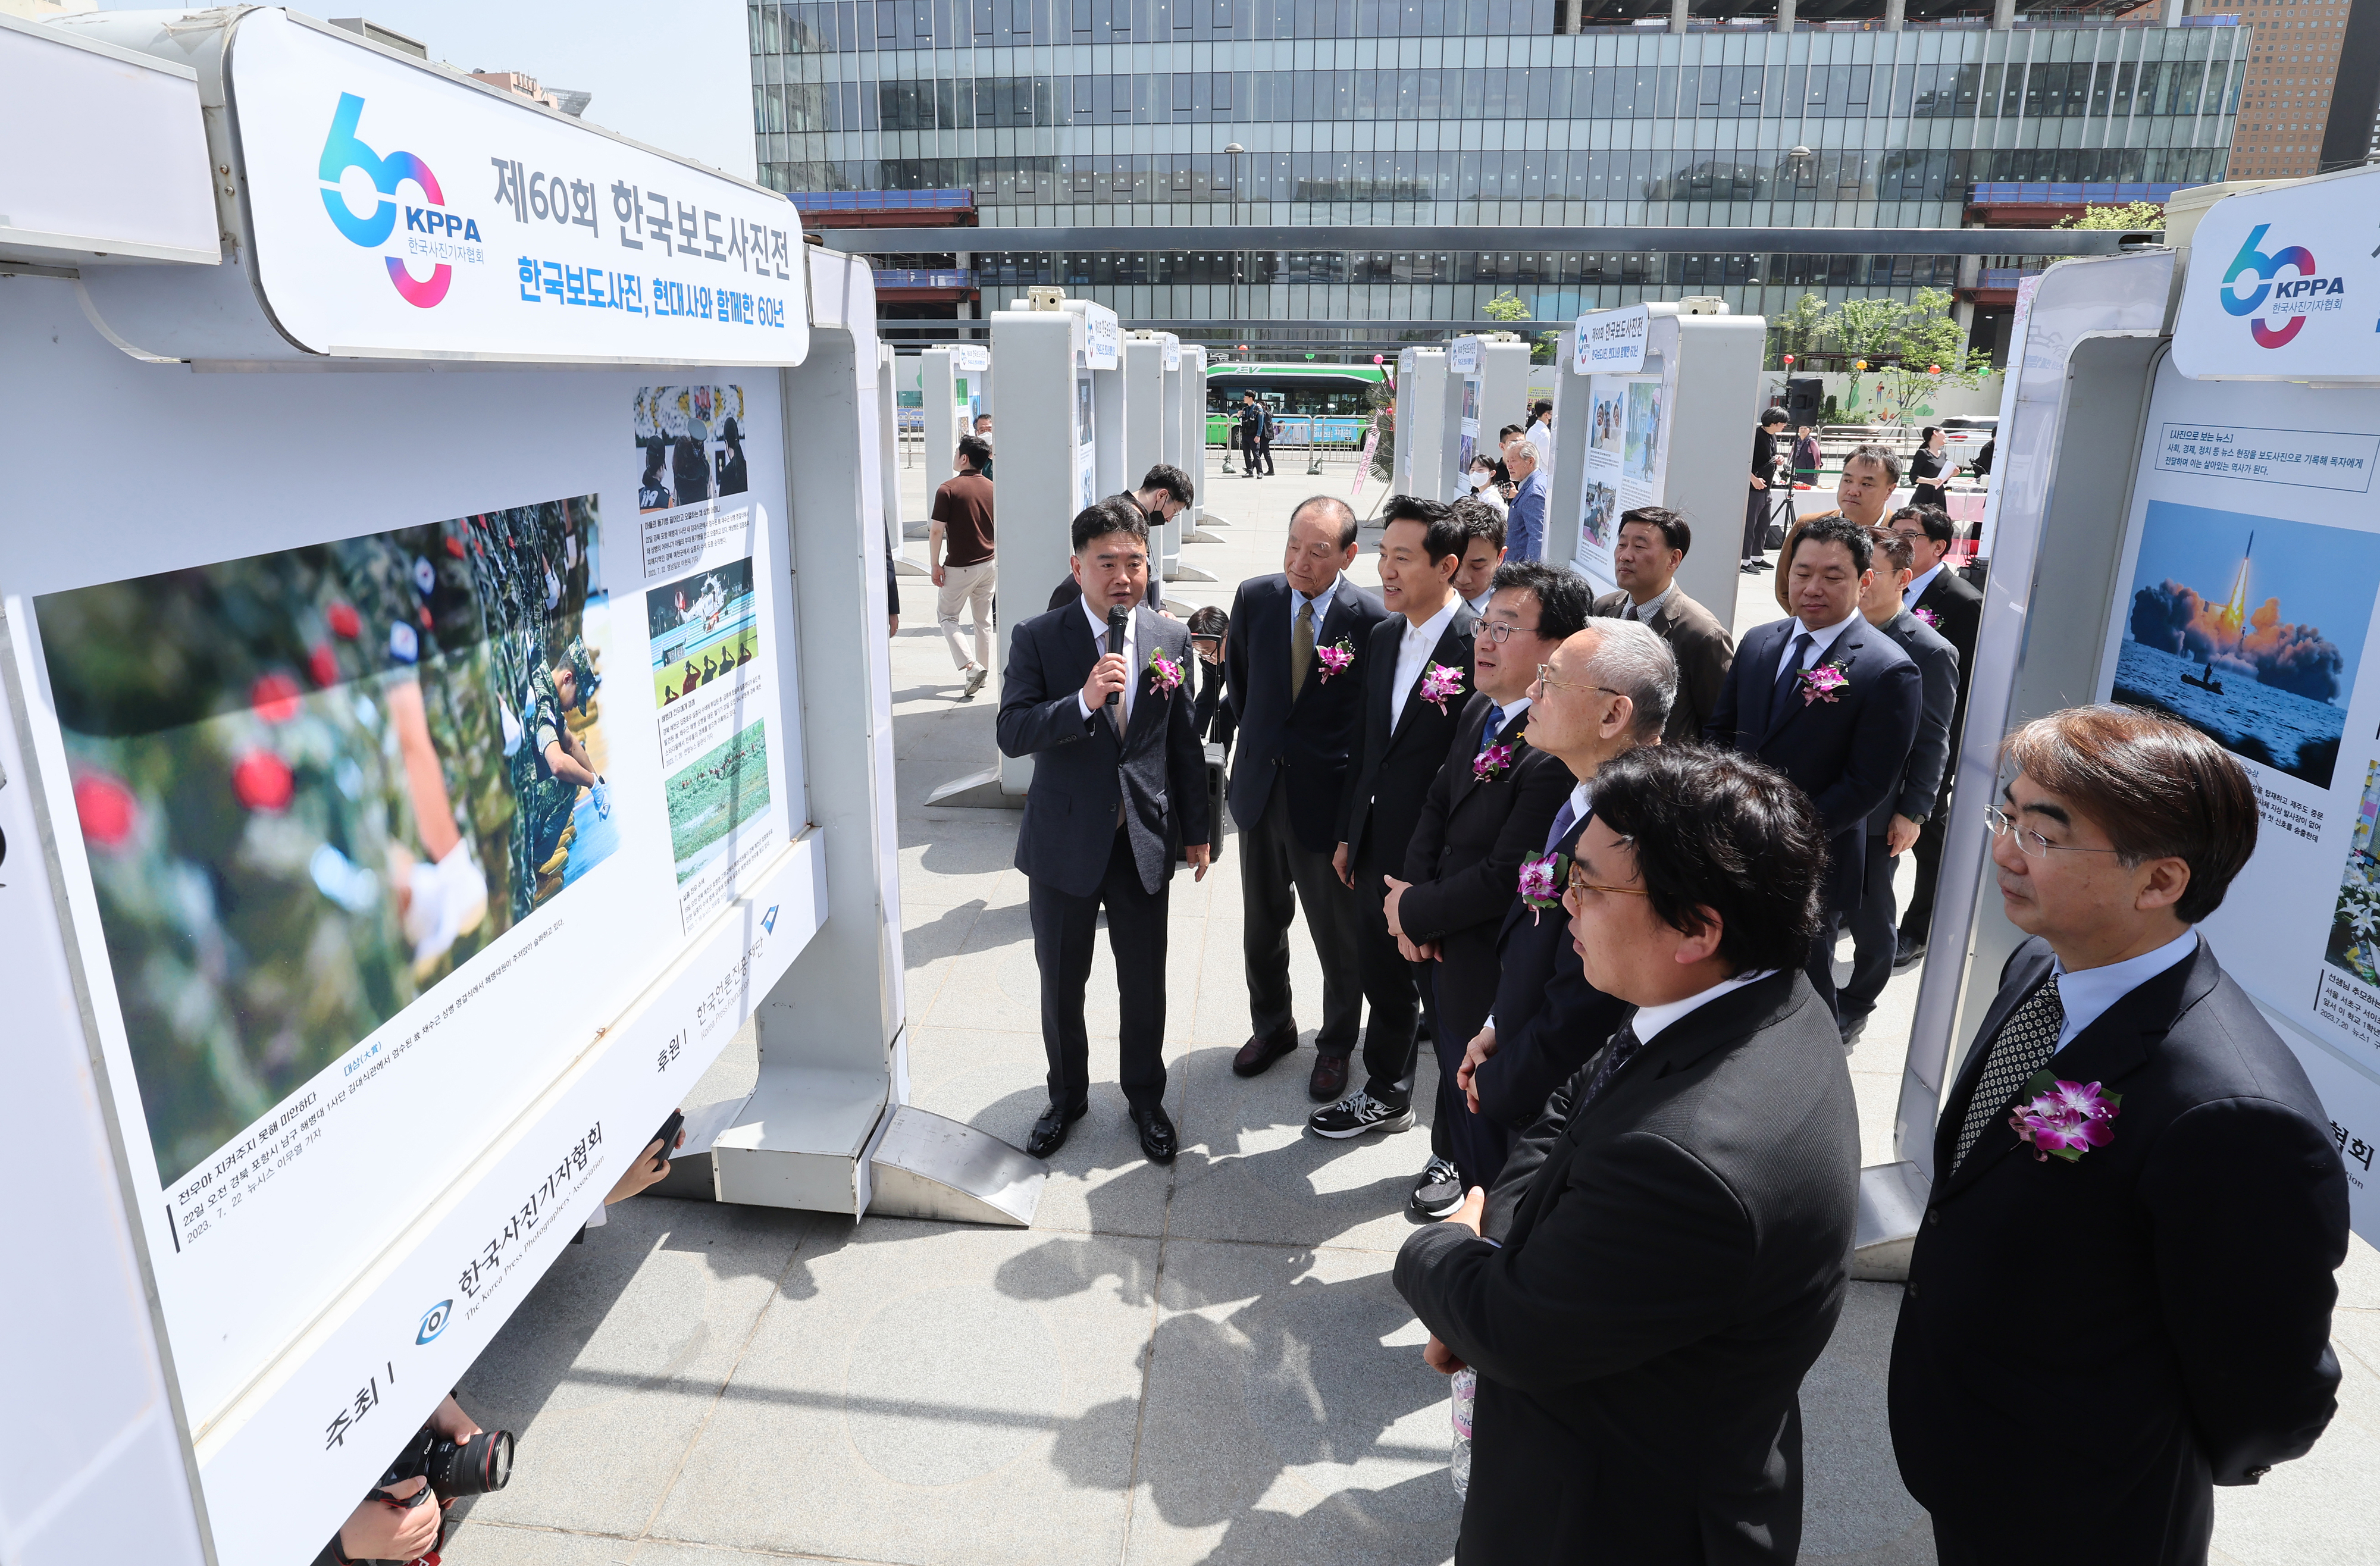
(476, 1467)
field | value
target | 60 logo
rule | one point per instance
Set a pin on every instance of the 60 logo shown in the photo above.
(2251, 259)
(342, 151)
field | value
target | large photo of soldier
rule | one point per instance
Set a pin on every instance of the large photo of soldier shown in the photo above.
(314, 783)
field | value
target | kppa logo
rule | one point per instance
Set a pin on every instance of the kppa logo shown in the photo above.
(343, 150)
(435, 1320)
(2295, 297)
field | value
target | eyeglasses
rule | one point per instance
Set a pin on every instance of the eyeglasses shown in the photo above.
(2032, 844)
(1499, 632)
(1545, 678)
(1579, 883)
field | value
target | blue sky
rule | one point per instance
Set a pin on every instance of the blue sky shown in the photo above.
(2324, 576)
(672, 76)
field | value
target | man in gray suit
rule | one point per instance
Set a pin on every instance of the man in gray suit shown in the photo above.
(1652, 544)
(1894, 824)
(1119, 784)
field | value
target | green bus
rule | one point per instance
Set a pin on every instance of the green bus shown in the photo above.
(1323, 404)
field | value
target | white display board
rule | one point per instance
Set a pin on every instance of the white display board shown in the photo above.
(1627, 463)
(1610, 342)
(2281, 282)
(2246, 601)
(384, 1001)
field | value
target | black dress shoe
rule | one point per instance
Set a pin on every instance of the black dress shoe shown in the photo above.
(1050, 1130)
(1260, 1052)
(1907, 953)
(1329, 1083)
(1155, 1133)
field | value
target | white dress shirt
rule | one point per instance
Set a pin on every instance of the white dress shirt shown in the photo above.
(1321, 603)
(1650, 1020)
(1130, 658)
(1413, 657)
(1510, 709)
(1645, 611)
(1479, 604)
(2088, 995)
(1543, 434)
(1917, 586)
(1819, 642)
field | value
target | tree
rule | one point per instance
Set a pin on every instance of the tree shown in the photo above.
(1506, 305)
(1930, 353)
(1800, 329)
(1866, 328)
(1548, 345)
(2147, 215)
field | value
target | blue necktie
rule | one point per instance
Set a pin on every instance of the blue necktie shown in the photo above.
(1787, 674)
(1491, 728)
(1564, 818)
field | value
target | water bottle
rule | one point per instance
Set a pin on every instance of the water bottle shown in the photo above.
(1467, 1390)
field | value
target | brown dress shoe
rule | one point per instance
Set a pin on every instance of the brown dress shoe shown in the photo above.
(1259, 1051)
(1328, 1081)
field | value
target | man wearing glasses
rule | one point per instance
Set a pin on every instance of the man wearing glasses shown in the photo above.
(1664, 1255)
(2197, 1205)
(1488, 808)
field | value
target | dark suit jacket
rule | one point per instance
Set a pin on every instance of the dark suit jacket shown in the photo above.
(1849, 755)
(1393, 769)
(1672, 1262)
(1080, 768)
(1704, 650)
(1929, 758)
(1957, 608)
(1549, 1021)
(1297, 737)
(1464, 861)
(2191, 1289)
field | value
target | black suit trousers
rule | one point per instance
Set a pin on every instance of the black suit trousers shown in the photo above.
(1279, 875)
(1873, 934)
(1477, 1145)
(1928, 851)
(1390, 986)
(1064, 929)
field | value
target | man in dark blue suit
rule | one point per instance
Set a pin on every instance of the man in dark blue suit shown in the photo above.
(1831, 702)
(1296, 715)
(1416, 671)
(2091, 1341)
(1119, 786)
(1606, 690)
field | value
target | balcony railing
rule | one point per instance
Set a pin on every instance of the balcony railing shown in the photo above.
(882, 201)
(919, 277)
(2014, 192)
(2005, 276)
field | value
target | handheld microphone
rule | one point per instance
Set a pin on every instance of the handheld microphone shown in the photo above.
(1116, 618)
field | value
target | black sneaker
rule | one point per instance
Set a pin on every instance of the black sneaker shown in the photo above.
(1438, 1191)
(1357, 1113)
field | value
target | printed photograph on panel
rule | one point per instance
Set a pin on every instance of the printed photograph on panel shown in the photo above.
(1609, 412)
(2355, 921)
(2249, 629)
(1601, 514)
(714, 794)
(692, 438)
(313, 784)
(702, 627)
(1642, 457)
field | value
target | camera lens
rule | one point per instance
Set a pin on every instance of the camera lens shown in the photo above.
(477, 1466)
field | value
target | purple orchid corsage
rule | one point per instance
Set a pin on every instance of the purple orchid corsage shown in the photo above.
(1929, 616)
(1440, 683)
(1490, 764)
(2064, 1120)
(1542, 881)
(1335, 658)
(1164, 674)
(1823, 684)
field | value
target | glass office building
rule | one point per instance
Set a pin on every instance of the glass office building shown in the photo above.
(1454, 118)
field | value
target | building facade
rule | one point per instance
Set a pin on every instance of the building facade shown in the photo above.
(1451, 118)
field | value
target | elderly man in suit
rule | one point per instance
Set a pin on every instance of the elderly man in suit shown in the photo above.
(1416, 671)
(1830, 701)
(1894, 824)
(1118, 787)
(1524, 523)
(2126, 1104)
(1488, 808)
(1652, 544)
(1664, 1255)
(1949, 603)
(1603, 693)
(1296, 715)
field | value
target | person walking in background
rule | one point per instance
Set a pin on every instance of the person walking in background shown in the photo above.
(1604, 692)
(1805, 458)
(1894, 825)
(1524, 523)
(1488, 808)
(966, 575)
(1664, 1255)
(1416, 671)
(1761, 504)
(1541, 425)
(2189, 1148)
(1251, 426)
(1297, 698)
(1930, 469)
(1830, 701)
(1120, 791)
(1482, 550)
(1652, 544)
(1949, 603)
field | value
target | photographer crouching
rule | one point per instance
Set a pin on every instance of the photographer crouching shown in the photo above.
(449, 1456)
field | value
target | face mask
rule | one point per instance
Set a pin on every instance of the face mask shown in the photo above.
(1479, 481)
